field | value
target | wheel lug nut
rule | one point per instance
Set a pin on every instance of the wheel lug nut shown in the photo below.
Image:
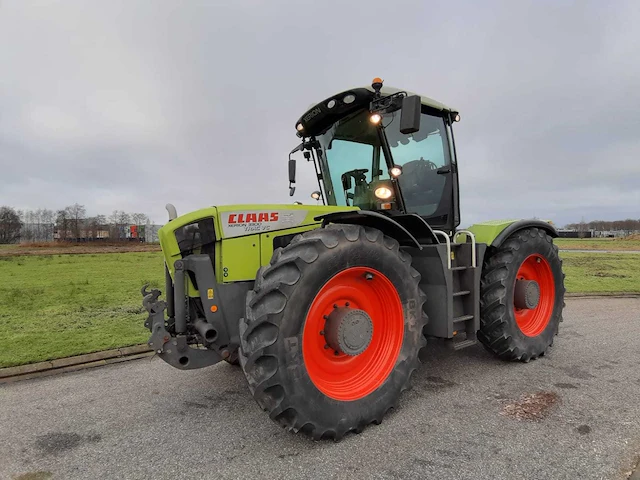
(335, 305)
(321, 332)
(347, 304)
(336, 353)
(326, 346)
(369, 276)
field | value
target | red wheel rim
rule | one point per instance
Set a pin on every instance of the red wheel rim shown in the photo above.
(532, 322)
(344, 377)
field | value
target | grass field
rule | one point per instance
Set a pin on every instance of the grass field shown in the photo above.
(601, 272)
(68, 248)
(53, 306)
(60, 305)
(616, 244)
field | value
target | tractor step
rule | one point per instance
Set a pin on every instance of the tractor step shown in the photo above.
(461, 293)
(459, 268)
(462, 318)
(463, 344)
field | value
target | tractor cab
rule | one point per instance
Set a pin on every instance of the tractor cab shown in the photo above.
(385, 150)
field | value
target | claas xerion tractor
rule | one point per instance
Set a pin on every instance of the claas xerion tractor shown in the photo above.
(326, 307)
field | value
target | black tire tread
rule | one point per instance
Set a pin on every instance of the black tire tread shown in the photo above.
(493, 296)
(272, 286)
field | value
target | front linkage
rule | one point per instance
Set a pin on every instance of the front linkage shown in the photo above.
(193, 323)
(174, 350)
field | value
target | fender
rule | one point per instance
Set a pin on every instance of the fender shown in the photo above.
(494, 233)
(367, 218)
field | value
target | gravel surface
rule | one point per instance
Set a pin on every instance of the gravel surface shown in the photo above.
(572, 414)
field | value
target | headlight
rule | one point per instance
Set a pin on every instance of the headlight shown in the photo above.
(299, 127)
(395, 171)
(375, 118)
(383, 193)
(331, 104)
(349, 98)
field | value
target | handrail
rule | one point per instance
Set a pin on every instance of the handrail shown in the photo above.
(473, 245)
(448, 242)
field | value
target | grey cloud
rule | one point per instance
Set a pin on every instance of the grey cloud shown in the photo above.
(132, 104)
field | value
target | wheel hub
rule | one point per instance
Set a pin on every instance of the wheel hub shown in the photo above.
(527, 294)
(348, 330)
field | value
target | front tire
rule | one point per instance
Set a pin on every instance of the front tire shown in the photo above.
(509, 329)
(298, 368)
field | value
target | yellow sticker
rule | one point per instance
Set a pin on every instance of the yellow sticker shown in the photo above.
(210, 293)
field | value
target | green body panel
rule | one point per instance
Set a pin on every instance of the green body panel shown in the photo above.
(486, 232)
(240, 259)
(241, 247)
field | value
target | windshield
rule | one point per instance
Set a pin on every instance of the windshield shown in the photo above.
(420, 154)
(352, 148)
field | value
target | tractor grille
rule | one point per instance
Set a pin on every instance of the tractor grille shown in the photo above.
(197, 237)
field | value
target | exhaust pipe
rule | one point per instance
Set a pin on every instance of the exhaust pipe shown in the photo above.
(206, 330)
(172, 211)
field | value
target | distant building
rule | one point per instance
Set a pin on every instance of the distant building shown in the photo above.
(564, 233)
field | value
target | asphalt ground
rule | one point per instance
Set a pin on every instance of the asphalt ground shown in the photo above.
(464, 418)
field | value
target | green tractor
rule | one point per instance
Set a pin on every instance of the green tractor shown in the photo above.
(326, 307)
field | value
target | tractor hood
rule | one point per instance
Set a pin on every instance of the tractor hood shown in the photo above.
(231, 221)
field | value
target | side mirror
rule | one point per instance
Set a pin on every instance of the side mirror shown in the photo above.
(346, 181)
(292, 176)
(292, 170)
(410, 114)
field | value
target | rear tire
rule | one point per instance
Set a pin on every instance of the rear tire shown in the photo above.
(521, 334)
(319, 391)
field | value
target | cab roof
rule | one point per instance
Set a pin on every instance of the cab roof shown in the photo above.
(430, 102)
(321, 115)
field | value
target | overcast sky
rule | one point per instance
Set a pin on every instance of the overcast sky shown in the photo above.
(132, 104)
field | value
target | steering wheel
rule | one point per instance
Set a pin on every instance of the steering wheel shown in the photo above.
(357, 174)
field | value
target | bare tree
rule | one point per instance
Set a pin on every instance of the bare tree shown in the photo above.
(27, 232)
(99, 224)
(123, 220)
(94, 225)
(62, 224)
(48, 218)
(10, 225)
(138, 218)
(90, 228)
(582, 228)
(76, 214)
(118, 219)
(113, 222)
